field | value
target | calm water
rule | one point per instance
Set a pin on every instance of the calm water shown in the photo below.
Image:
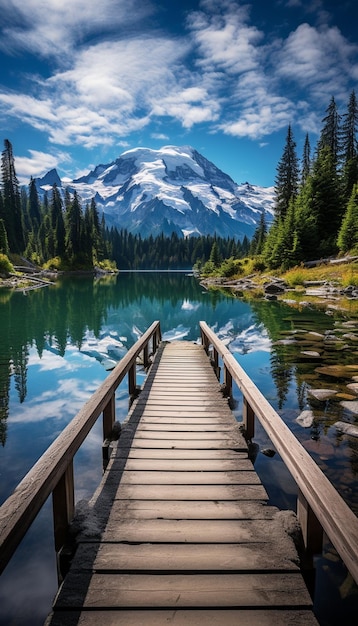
(56, 346)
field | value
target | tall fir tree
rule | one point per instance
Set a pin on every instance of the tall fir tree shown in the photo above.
(348, 233)
(12, 214)
(306, 160)
(350, 146)
(286, 182)
(330, 133)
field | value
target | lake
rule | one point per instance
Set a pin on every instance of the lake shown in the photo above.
(58, 343)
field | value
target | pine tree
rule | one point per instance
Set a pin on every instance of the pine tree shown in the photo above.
(286, 182)
(330, 132)
(12, 215)
(348, 233)
(4, 245)
(73, 228)
(34, 208)
(350, 147)
(306, 160)
(259, 237)
(327, 204)
(57, 221)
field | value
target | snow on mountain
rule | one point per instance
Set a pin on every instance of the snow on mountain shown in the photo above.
(174, 189)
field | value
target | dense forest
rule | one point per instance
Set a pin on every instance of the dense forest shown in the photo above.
(316, 215)
(316, 208)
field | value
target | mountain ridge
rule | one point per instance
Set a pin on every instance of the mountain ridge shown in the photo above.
(173, 189)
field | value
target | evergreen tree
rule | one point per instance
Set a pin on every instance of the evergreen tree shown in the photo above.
(349, 146)
(215, 256)
(327, 205)
(34, 208)
(330, 132)
(73, 228)
(259, 237)
(57, 221)
(306, 160)
(286, 182)
(12, 215)
(348, 233)
(4, 245)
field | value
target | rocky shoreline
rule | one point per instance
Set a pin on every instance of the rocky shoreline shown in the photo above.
(273, 287)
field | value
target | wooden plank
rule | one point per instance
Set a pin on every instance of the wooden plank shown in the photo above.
(192, 492)
(213, 617)
(190, 531)
(180, 590)
(230, 477)
(185, 465)
(186, 435)
(193, 444)
(178, 454)
(167, 557)
(184, 509)
(148, 424)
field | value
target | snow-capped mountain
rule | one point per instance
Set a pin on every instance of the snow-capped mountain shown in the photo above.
(173, 189)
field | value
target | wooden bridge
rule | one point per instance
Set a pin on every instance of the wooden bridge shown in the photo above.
(179, 530)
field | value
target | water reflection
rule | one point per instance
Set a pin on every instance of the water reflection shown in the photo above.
(56, 345)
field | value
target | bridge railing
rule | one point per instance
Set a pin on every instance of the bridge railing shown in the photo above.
(319, 506)
(53, 472)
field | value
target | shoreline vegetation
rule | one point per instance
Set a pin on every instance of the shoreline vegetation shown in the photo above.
(330, 283)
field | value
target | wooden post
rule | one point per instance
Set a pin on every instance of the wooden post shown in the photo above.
(63, 503)
(312, 530)
(216, 363)
(109, 417)
(145, 356)
(227, 382)
(205, 341)
(132, 379)
(248, 417)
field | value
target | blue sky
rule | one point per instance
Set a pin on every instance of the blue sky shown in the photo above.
(83, 81)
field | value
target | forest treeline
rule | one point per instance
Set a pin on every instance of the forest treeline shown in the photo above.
(316, 216)
(316, 198)
(59, 233)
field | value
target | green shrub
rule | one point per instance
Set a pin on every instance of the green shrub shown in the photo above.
(5, 265)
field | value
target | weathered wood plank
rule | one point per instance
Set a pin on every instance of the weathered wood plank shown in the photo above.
(185, 465)
(148, 425)
(213, 617)
(169, 453)
(230, 477)
(192, 443)
(192, 492)
(179, 590)
(191, 531)
(184, 509)
(223, 436)
(230, 557)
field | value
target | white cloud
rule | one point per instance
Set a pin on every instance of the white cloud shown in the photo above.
(54, 27)
(109, 80)
(38, 164)
(317, 59)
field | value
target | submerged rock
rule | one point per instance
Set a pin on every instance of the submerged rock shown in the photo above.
(337, 371)
(350, 405)
(305, 419)
(322, 394)
(347, 429)
(353, 387)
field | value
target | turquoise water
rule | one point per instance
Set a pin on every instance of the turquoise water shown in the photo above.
(57, 345)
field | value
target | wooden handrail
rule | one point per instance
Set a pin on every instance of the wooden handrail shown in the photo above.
(53, 472)
(320, 507)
